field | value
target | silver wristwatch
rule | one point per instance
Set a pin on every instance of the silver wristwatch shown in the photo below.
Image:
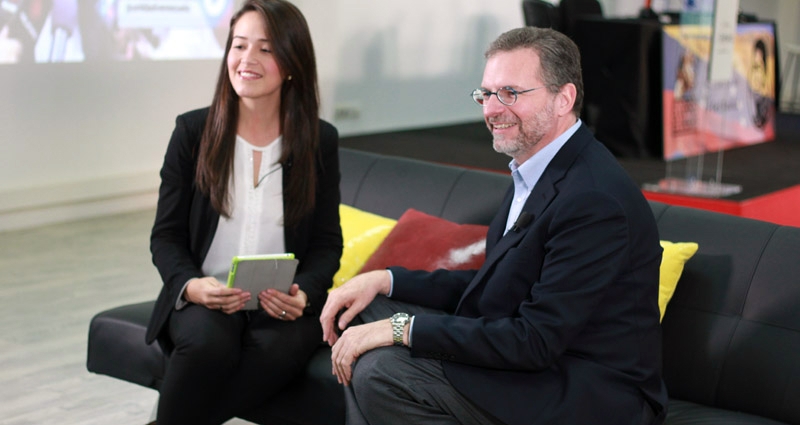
(399, 321)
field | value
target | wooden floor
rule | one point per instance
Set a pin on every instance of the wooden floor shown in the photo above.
(53, 279)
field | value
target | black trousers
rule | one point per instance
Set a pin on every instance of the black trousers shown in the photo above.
(223, 365)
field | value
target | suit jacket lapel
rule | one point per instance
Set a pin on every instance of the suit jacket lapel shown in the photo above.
(498, 224)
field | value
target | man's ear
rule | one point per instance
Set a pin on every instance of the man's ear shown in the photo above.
(566, 99)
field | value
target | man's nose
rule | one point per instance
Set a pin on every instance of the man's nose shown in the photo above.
(492, 106)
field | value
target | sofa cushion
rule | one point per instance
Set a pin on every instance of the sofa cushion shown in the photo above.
(423, 242)
(363, 232)
(672, 260)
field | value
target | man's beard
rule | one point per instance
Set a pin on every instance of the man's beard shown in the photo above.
(530, 134)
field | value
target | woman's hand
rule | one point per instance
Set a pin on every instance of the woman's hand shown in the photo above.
(209, 292)
(284, 306)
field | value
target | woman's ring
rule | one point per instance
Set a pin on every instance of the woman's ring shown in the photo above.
(283, 314)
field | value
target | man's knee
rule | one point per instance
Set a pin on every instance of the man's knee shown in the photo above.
(373, 370)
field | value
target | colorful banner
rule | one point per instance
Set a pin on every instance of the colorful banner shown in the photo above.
(701, 116)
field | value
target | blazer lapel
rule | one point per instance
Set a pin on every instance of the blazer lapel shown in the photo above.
(498, 224)
(541, 196)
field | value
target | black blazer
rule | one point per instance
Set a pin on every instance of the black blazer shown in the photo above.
(185, 222)
(561, 323)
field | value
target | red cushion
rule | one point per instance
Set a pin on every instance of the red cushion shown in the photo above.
(424, 242)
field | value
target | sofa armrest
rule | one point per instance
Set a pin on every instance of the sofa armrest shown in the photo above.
(116, 346)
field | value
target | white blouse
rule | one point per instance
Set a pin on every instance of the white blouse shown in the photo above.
(256, 222)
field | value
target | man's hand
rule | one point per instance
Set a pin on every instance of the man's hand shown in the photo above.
(356, 341)
(354, 296)
(209, 292)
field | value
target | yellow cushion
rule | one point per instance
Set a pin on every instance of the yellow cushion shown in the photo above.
(672, 260)
(362, 233)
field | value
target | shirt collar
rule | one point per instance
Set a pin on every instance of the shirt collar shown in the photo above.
(531, 170)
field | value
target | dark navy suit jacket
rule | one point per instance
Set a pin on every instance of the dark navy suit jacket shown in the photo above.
(186, 222)
(561, 323)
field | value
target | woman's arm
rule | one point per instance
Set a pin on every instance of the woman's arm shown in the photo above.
(171, 238)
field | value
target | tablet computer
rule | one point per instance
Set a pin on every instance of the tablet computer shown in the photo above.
(255, 273)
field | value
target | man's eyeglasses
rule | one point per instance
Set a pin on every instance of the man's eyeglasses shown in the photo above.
(507, 96)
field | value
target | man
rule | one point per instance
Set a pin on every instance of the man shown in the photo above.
(561, 323)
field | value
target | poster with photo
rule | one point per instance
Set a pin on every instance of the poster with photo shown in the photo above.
(702, 116)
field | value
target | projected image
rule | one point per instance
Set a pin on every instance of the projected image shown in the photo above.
(42, 31)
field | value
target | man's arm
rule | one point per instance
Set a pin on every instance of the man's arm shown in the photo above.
(440, 289)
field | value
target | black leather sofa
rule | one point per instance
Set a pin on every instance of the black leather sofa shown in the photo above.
(731, 331)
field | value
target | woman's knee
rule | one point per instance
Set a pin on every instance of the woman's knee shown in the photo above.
(200, 333)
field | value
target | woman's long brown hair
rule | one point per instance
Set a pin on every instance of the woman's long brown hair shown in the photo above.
(291, 45)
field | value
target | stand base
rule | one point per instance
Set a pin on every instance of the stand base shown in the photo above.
(707, 189)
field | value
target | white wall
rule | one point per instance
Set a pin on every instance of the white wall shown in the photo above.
(389, 65)
(78, 140)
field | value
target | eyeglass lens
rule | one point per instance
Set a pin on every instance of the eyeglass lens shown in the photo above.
(505, 95)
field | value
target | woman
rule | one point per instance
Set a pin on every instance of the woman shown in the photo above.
(255, 173)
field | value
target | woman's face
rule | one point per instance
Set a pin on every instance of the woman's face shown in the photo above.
(252, 68)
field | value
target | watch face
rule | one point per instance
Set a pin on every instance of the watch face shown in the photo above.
(400, 319)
